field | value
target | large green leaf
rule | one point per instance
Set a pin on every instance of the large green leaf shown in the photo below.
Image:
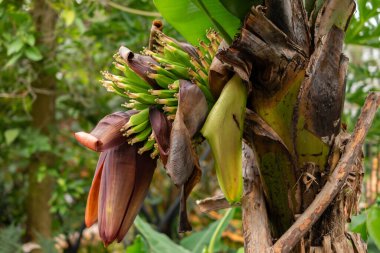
(196, 242)
(193, 18)
(33, 53)
(10, 135)
(138, 246)
(14, 47)
(373, 224)
(158, 242)
(364, 28)
(358, 225)
(240, 8)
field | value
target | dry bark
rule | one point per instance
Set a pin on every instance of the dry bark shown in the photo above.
(256, 231)
(349, 160)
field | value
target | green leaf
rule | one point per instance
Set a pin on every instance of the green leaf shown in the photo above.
(30, 39)
(11, 135)
(240, 250)
(10, 238)
(13, 60)
(33, 53)
(14, 47)
(69, 16)
(138, 246)
(196, 242)
(364, 28)
(358, 225)
(193, 18)
(373, 224)
(158, 242)
(219, 229)
(240, 8)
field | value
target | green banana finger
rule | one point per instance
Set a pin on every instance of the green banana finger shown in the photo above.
(162, 81)
(209, 97)
(130, 75)
(167, 101)
(131, 87)
(170, 109)
(162, 93)
(162, 71)
(178, 54)
(135, 105)
(111, 87)
(174, 85)
(160, 58)
(179, 71)
(141, 97)
(137, 119)
(137, 129)
(147, 146)
(141, 136)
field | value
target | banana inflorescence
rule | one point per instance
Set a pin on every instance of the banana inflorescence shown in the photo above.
(169, 62)
(154, 81)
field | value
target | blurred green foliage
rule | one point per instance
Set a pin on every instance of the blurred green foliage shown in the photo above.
(88, 34)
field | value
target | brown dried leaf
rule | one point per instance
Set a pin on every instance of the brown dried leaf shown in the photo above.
(140, 64)
(219, 73)
(157, 27)
(182, 166)
(161, 128)
(264, 54)
(192, 106)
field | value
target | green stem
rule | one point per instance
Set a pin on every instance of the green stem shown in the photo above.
(218, 230)
(133, 11)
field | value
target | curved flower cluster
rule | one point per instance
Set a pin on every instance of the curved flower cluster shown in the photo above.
(168, 98)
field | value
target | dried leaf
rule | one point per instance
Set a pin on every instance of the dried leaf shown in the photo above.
(182, 166)
(181, 156)
(140, 64)
(191, 113)
(219, 73)
(192, 106)
(161, 128)
(157, 27)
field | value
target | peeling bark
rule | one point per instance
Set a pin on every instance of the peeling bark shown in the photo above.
(335, 182)
(256, 231)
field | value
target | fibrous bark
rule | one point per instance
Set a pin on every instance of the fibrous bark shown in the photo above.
(291, 59)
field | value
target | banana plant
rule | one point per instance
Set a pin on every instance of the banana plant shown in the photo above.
(279, 85)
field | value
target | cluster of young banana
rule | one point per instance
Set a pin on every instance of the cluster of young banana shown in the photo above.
(173, 61)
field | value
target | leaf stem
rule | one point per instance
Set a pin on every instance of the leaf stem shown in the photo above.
(218, 230)
(133, 11)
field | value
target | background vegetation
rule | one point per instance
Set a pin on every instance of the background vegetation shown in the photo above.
(88, 33)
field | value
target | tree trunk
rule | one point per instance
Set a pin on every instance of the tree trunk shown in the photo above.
(43, 110)
(309, 168)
